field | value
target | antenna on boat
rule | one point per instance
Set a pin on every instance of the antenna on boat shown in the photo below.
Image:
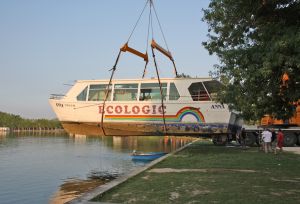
(154, 46)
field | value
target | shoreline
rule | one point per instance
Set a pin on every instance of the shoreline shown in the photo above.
(32, 130)
(222, 168)
(8, 130)
(86, 197)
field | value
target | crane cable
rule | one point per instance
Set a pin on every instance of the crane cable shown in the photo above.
(150, 23)
(157, 73)
(160, 27)
(148, 31)
(114, 69)
(137, 22)
(164, 38)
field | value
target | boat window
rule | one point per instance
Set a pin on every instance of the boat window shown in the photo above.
(212, 88)
(125, 92)
(174, 95)
(151, 91)
(198, 92)
(82, 95)
(98, 91)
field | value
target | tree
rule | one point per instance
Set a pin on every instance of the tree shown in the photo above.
(183, 75)
(16, 121)
(257, 41)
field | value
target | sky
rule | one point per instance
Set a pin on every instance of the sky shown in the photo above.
(45, 45)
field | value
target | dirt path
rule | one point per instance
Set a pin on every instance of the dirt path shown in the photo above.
(292, 149)
(170, 170)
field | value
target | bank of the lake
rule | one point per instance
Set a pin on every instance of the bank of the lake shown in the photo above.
(203, 173)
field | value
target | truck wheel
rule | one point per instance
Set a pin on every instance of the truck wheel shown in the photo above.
(257, 140)
(250, 139)
(289, 139)
(219, 139)
(298, 137)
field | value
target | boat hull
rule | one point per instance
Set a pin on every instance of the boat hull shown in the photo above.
(148, 156)
(142, 129)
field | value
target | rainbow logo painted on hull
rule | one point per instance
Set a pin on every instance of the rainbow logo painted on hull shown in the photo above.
(195, 112)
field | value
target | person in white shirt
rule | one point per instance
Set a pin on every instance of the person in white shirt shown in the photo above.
(267, 138)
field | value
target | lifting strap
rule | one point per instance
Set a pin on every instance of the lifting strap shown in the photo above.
(107, 91)
(161, 92)
(144, 72)
(168, 54)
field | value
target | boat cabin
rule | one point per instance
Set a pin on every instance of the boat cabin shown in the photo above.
(178, 89)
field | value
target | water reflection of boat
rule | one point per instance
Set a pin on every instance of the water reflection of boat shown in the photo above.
(4, 131)
(4, 134)
(73, 188)
(150, 156)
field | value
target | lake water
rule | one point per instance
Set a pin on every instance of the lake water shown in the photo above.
(45, 168)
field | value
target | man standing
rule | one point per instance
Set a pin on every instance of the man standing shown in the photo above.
(267, 137)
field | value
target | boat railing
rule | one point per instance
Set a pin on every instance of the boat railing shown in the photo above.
(200, 97)
(56, 96)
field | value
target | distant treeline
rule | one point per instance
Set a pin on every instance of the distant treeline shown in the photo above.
(16, 121)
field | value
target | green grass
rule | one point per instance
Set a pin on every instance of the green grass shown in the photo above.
(276, 178)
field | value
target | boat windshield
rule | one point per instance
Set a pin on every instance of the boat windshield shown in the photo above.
(82, 95)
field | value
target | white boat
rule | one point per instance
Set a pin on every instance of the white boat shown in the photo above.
(134, 107)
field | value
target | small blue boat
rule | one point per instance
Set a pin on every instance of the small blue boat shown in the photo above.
(147, 156)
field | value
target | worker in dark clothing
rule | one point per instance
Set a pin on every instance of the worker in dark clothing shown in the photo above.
(243, 138)
(273, 143)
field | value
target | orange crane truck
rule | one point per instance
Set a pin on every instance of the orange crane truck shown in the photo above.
(290, 127)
